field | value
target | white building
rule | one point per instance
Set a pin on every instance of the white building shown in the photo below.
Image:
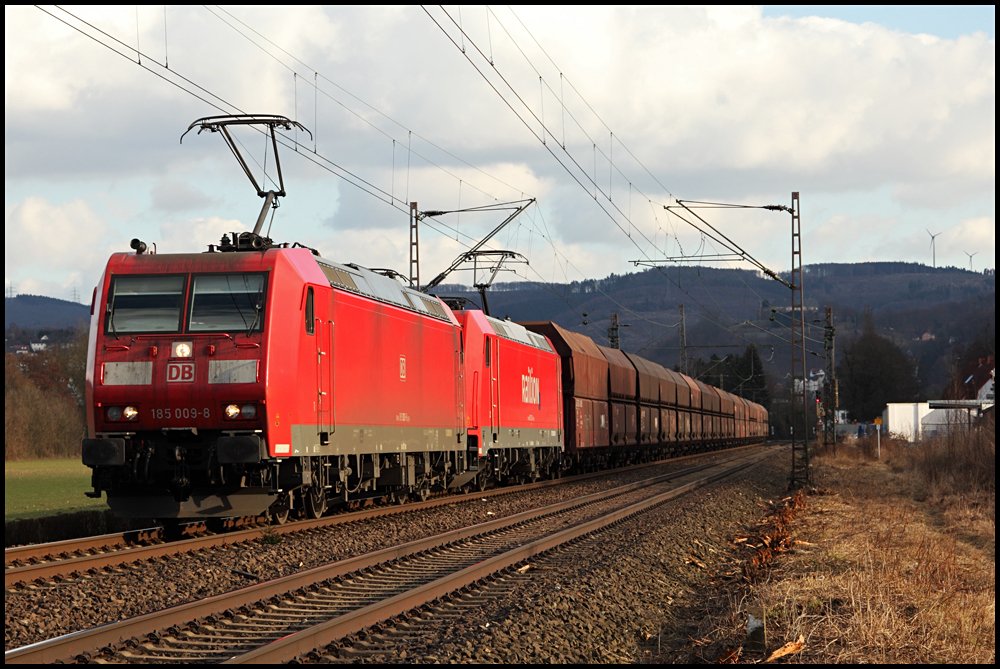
(905, 419)
(914, 421)
(814, 384)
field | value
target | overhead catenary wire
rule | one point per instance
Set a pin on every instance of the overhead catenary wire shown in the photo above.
(580, 175)
(364, 119)
(740, 252)
(202, 93)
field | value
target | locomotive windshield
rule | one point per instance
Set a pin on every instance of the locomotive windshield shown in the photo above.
(145, 304)
(224, 302)
(219, 303)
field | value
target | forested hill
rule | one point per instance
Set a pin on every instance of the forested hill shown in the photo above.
(933, 314)
(37, 313)
(907, 297)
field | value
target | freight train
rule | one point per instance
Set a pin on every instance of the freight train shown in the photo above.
(261, 378)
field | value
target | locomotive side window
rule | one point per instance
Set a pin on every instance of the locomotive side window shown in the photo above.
(223, 302)
(145, 304)
(310, 317)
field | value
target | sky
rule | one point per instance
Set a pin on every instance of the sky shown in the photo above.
(638, 136)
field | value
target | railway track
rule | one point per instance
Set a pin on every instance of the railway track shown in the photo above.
(281, 619)
(63, 559)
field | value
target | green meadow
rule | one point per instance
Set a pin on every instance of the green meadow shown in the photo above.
(36, 488)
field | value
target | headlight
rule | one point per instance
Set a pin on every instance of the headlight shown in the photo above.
(181, 349)
(240, 411)
(119, 414)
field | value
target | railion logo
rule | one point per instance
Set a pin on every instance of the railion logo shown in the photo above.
(180, 372)
(530, 389)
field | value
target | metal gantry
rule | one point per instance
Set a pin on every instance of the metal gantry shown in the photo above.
(800, 476)
(684, 352)
(799, 404)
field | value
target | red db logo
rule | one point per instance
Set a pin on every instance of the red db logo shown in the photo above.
(180, 372)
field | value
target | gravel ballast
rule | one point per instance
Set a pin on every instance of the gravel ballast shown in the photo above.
(611, 606)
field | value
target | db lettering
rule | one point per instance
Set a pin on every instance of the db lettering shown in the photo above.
(180, 372)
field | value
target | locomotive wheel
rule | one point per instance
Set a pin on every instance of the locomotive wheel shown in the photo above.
(280, 510)
(316, 502)
(482, 481)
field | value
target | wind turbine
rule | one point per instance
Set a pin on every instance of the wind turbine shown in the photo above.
(970, 258)
(933, 250)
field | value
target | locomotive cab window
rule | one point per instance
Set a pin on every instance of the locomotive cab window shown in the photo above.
(145, 304)
(224, 302)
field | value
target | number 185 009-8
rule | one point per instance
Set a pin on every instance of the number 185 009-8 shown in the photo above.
(181, 412)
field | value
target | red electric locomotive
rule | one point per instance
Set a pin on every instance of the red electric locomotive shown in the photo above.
(233, 381)
(513, 400)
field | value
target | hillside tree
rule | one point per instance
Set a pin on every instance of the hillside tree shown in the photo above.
(44, 401)
(874, 372)
(741, 374)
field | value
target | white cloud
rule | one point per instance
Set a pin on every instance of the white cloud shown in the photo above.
(192, 236)
(52, 249)
(975, 235)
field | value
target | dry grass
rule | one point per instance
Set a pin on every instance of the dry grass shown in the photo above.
(890, 561)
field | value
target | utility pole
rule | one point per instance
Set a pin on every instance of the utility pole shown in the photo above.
(414, 247)
(613, 339)
(684, 352)
(830, 393)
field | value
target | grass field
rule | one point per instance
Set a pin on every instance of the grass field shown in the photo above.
(890, 559)
(35, 488)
